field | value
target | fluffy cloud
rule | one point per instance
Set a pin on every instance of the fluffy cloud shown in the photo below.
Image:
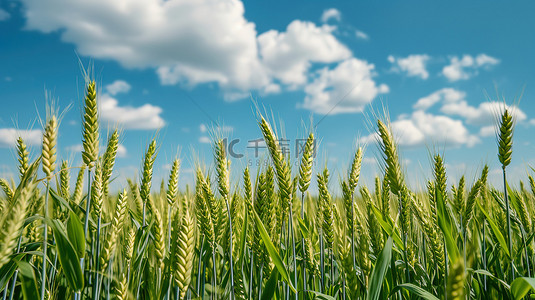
(9, 136)
(446, 95)
(118, 86)
(4, 15)
(204, 140)
(467, 66)
(422, 128)
(361, 35)
(452, 102)
(347, 88)
(483, 115)
(413, 65)
(331, 13)
(191, 41)
(288, 55)
(146, 116)
(121, 149)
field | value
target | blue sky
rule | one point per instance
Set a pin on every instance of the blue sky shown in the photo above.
(186, 70)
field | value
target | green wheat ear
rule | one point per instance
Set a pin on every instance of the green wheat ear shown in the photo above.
(439, 172)
(90, 131)
(172, 185)
(456, 280)
(505, 138)
(65, 179)
(391, 158)
(354, 174)
(23, 156)
(148, 163)
(305, 169)
(222, 168)
(49, 146)
(109, 160)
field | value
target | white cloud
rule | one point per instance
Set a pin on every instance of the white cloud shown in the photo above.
(414, 65)
(331, 13)
(118, 86)
(532, 122)
(288, 55)
(204, 140)
(446, 95)
(453, 103)
(188, 41)
(4, 15)
(121, 149)
(347, 88)
(421, 128)
(203, 128)
(361, 35)
(9, 136)
(192, 42)
(483, 115)
(146, 116)
(487, 131)
(467, 66)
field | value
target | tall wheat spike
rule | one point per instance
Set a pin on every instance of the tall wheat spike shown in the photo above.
(172, 185)
(12, 225)
(305, 168)
(8, 191)
(23, 156)
(48, 159)
(109, 161)
(117, 223)
(146, 180)
(65, 179)
(505, 151)
(90, 131)
(184, 254)
(78, 188)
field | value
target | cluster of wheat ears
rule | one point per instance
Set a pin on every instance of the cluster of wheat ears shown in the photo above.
(263, 236)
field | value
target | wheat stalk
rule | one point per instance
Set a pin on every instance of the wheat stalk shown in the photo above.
(23, 156)
(90, 140)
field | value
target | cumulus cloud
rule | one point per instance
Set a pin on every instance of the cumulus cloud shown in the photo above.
(190, 41)
(288, 55)
(413, 65)
(484, 114)
(467, 66)
(361, 35)
(4, 15)
(331, 14)
(446, 95)
(347, 88)
(9, 136)
(146, 116)
(118, 86)
(204, 140)
(422, 128)
(121, 149)
(453, 102)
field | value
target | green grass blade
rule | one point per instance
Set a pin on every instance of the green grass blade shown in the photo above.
(68, 258)
(496, 230)
(28, 280)
(445, 223)
(379, 271)
(272, 250)
(415, 290)
(75, 233)
(522, 286)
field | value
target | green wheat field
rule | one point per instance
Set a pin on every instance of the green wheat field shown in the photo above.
(262, 235)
